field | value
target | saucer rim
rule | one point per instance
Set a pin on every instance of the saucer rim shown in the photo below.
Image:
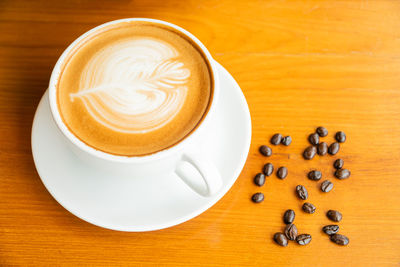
(158, 226)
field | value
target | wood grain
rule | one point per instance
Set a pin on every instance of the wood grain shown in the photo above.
(300, 64)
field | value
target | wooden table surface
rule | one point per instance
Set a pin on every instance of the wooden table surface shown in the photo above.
(300, 64)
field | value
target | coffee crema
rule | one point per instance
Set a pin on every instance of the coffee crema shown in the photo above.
(134, 88)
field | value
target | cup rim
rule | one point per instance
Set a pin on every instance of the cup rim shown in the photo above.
(120, 158)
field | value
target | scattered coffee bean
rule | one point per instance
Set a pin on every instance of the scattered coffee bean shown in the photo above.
(268, 169)
(333, 148)
(301, 192)
(313, 139)
(276, 139)
(309, 208)
(303, 239)
(291, 231)
(309, 153)
(326, 186)
(331, 229)
(289, 216)
(334, 215)
(342, 174)
(282, 172)
(322, 131)
(287, 140)
(338, 164)
(340, 239)
(257, 197)
(259, 179)
(265, 150)
(322, 148)
(314, 175)
(340, 137)
(281, 239)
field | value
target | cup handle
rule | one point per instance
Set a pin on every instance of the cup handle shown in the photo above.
(208, 172)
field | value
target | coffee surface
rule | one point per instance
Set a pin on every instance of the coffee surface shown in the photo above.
(134, 88)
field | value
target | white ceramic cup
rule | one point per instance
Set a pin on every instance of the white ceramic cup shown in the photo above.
(169, 160)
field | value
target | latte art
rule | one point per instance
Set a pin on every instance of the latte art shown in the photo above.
(134, 86)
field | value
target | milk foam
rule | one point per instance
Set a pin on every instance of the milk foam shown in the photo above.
(134, 85)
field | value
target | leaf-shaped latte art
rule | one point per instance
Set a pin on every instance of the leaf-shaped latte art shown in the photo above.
(134, 86)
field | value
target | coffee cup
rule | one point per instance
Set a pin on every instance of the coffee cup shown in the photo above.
(103, 109)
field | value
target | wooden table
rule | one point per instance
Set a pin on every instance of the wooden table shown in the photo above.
(300, 64)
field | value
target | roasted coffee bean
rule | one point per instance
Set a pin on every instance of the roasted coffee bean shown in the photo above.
(331, 229)
(333, 148)
(326, 186)
(281, 239)
(268, 169)
(303, 239)
(309, 152)
(309, 208)
(291, 231)
(313, 138)
(265, 150)
(340, 239)
(259, 179)
(342, 174)
(322, 131)
(322, 148)
(314, 175)
(301, 192)
(334, 215)
(257, 197)
(289, 216)
(338, 164)
(287, 140)
(340, 137)
(282, 172)
(276, 139)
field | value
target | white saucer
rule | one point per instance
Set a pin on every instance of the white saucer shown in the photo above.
(133, 204)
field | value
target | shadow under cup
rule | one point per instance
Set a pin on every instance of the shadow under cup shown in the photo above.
(162, 161)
